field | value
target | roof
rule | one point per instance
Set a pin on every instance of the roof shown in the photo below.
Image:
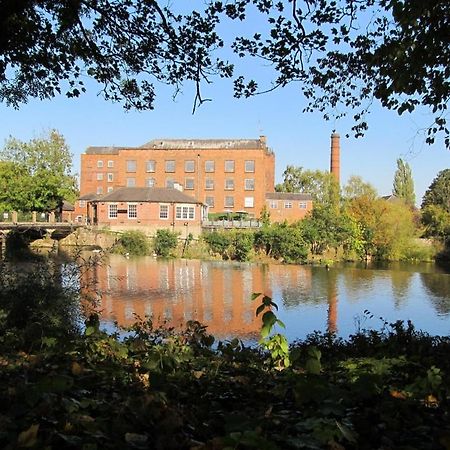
(139, 194)
(186, 144)
(66, 206)
(183, 144)
(288, 196)
(90, 196)
(103, 150)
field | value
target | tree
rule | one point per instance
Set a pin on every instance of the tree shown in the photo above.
(403, 183)
(343, 53)
(438, 193)
(436, 207)
(321, 185)
(357, 187)
(43, 166)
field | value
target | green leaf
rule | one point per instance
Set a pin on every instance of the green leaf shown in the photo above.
(55, 383)
(28, 438)
(260, 309)
(255, 295)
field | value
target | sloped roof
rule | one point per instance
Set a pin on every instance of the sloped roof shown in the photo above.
(140, 194)
(296, 196)
(90, 196)
(67, 206)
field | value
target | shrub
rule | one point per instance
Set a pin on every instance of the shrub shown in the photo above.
(164, 242)
(133, 242)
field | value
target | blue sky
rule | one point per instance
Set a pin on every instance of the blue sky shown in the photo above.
(297, 138)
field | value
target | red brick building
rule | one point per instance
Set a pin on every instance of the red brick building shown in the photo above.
(288, 206)
(225, 174)
(148, 209)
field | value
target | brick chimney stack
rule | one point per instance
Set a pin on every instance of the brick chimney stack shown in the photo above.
(335, 160)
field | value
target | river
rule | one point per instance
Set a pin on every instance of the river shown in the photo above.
(342, 298)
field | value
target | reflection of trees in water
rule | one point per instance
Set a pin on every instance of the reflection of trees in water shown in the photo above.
(401, 281)
(358, 282)
(438, 285)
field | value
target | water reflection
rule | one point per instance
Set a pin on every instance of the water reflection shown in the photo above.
(218, 294)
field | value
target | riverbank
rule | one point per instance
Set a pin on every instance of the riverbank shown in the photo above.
(241, 246)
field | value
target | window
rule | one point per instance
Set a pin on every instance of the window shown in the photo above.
(189, 183)
(288, 205)
(150, 182)
(82, 203)
(131, 165)
(249, 184)
(189, 166)
(229, 202)
(250, 166)
(131, 182)
(209, 184)
(99, 190)
(249, 202)
(110, 188)
(132, 210)
(273, 204)
(163, 211)
(209, 166)
(302, 205)
(210, 201)
(112, 211)
(229, 184)
(229, 166)
(110, 164)
(150, 166)
(99, 164)
(170, 183)
(185, 212)
(110, 177)
(170, 165)
(99, 176)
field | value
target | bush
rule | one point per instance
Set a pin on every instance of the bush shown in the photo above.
(133, 242)
(164, 242)
(219, 242)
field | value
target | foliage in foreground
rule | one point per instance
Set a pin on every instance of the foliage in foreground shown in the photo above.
(157, 388)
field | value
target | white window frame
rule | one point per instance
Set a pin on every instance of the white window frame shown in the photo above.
(303, 205)
(249, 184)
(191, 186)
(211, 202)
(150, 182)
(189, 166)
(131, 165)
(99, 176)
(99, 190)
(249, 166)
(229, 184)
(210, 166)
(110, 164)
(288, 204)
(110, 177)
(273, 204)
(228, 164)
(131, 183)
(100, 164)
(169, 166)
(209, 184)
(163, 211)
(113, 210)
(82, 203)
(249, 202)
(150, 166)
(132, 207)
(225, 201)
(110, 189)
(185, 212)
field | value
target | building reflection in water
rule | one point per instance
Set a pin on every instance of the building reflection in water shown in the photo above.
(172, 292)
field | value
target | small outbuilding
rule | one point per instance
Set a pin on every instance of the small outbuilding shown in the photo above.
(149, 209)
